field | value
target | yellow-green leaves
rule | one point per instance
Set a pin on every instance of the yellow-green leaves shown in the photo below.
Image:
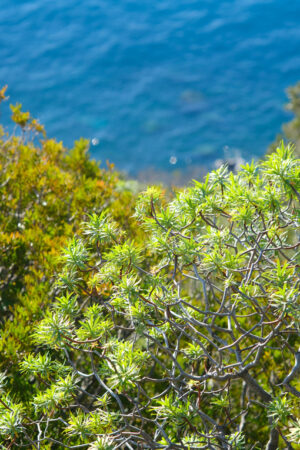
(173, 410)
(76, 255)
(11, 418)
(19, 117)
(294, 432)
(2, 93)
(187, 338)
(101, 229)
(53, 329)
(57, 395)
(125, 255)
(279, 410)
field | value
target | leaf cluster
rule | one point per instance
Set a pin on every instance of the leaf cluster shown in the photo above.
(190, 340)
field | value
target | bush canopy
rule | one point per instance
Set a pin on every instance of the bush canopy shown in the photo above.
(46, 191)
(187, 340)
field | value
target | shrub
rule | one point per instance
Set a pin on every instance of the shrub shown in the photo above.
(45, 192)
(188, 341)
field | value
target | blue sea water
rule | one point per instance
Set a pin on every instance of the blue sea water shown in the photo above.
(161, 83)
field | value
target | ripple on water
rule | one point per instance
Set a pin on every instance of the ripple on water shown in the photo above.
(153, 84)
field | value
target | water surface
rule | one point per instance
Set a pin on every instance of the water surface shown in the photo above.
(165, 83)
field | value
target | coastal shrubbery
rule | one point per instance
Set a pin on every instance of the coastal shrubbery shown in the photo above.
(186, 339)
(45, 193)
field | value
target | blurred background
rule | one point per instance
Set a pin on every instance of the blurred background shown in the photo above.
(155, 85)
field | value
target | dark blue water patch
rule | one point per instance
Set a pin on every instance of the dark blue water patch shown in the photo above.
(153, 83)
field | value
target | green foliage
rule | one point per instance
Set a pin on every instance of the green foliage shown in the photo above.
(187, 341)
(100, 229)
(237, 441)
(103, 443)
(45, 193)
(279, 410)
(294, 435)
(11, 419)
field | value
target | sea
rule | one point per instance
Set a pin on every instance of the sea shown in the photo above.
(156, 85)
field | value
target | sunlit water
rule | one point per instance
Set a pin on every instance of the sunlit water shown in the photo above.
(161, 83)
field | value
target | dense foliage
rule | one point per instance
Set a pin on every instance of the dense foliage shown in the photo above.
(187, 341)
(45, 191)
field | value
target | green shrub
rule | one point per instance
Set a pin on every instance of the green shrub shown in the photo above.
(187, 341)
(45, 192)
